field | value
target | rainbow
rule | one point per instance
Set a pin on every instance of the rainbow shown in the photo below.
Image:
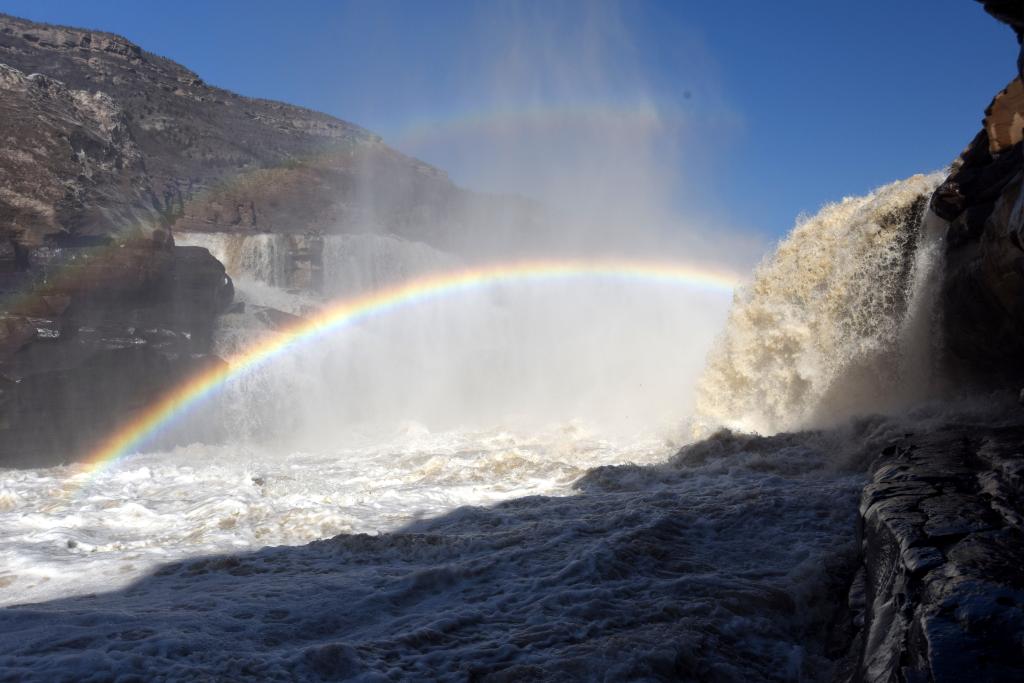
(130, 436)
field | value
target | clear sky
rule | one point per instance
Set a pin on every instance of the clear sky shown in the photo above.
(753, 111)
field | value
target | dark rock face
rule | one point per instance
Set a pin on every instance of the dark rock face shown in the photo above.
(1008, 11)
(943, 538)
(96, 333)
(983, 287)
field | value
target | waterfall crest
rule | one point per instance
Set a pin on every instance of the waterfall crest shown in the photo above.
(836, 321)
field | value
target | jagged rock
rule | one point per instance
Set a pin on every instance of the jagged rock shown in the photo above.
(1004, 122)
(127, 324)
(214, 161)
(1009, 12)
(982, 297)
(943, 545)
(977, 178)
(69, 164)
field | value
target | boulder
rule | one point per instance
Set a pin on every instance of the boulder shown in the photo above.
(102, 333)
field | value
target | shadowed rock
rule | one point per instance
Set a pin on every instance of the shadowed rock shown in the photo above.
(106, 336)
(983, 287)
(943, 545)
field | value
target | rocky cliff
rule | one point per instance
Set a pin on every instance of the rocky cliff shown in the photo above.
(107, 152)
(983, 292)
(186, 154)
(135, 142)
(940, 591)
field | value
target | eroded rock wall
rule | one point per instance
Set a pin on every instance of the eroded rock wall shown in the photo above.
(942, 520)
(983, 290)
(943, 546)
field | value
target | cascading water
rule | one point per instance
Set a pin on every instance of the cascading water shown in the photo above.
(509, 391)
(835, 322)
(350, 263)
(262, 257)
(363, 262)
(478, 396)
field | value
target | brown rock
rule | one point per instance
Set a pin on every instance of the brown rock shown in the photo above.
(1004, 118)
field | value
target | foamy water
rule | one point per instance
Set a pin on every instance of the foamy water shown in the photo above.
(584, 551)
(836, 322)
(68, 532)
(723, 564)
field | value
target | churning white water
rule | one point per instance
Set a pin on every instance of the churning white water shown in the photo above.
(469, 429)
(68, 532)
(481, 396)
(836, 322)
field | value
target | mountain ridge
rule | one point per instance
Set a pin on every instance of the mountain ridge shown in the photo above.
(206, 150)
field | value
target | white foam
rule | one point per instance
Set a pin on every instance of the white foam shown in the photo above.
(720, 566)
(66, 532)
(835, 322)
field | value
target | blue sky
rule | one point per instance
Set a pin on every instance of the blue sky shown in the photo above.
(750, 112)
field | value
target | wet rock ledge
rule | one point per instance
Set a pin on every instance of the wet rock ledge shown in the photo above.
(941, 584)
(940, 591)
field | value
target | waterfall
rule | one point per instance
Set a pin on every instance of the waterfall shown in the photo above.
(348, 263)
(263, 257)
(836, 322)
(624, 357)
(363, 262)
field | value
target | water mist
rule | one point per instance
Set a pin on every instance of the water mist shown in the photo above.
(837, 322)
(603, 180)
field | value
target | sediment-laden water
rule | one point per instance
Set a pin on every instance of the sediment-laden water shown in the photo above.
(496, 482)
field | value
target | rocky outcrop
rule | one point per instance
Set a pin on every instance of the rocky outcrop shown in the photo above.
(941, 588)
(68, 162)
(983, 289)
(107, 151)
(95, 333)
(214, 161)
